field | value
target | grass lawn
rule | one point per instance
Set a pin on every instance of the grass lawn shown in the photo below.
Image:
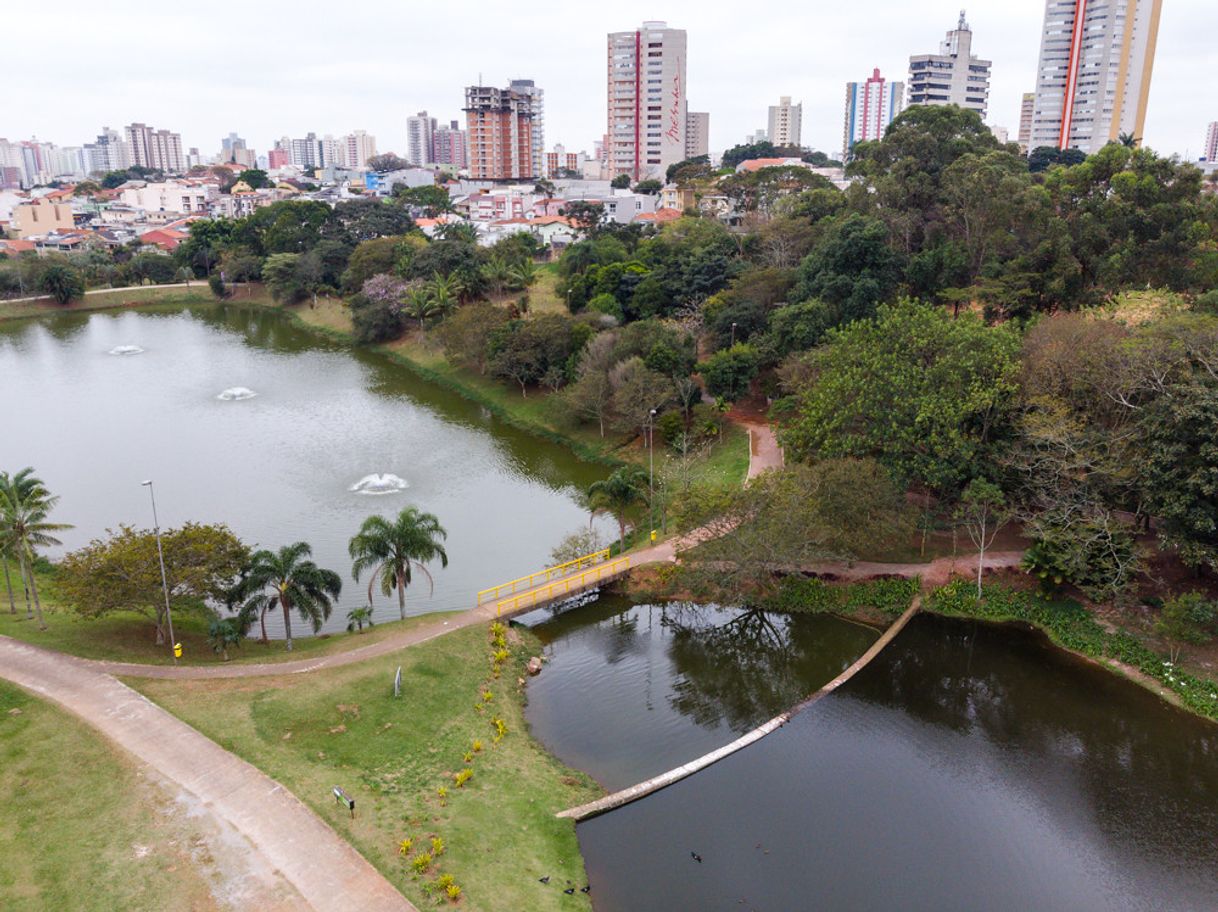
(198, 293)
(82, 828)
(343, 727)
(127, 636)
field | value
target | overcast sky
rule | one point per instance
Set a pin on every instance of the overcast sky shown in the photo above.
(266, 70)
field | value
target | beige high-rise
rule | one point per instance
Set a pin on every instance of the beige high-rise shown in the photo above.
(785, 124)
(647, 100)
(1093, 81)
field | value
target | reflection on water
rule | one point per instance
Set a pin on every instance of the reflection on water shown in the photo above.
(968, 768)
(630, 691)
(277, 467)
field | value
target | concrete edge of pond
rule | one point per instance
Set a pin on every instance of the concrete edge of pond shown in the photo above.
(654, 784)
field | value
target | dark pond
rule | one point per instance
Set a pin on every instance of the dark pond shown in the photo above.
(968, 768)
(631, 691)
(286, 464)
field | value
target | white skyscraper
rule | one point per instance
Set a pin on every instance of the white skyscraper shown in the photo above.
(420, 130)
(647, 100)
(1210, 150)
(538, 99)
(953, 76)
(785, 122)
(1093, 79)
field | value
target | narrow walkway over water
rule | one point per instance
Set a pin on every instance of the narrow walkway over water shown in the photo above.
(654, 784)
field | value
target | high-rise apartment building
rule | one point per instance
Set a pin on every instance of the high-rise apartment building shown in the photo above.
(234, 150)
(448, 146)
(697, 133)
(785, 122)
(356, 148)
(1026, 107)
(1094, 74)
(647, 100)
(537, 101)
(109, 153)
(499, 128)
(870, 108)
(561, 164)
(1210, 150)
(953, 76)
(420, 133)
(152, 148)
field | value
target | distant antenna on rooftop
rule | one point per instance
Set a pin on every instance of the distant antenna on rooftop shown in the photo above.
(963, 23)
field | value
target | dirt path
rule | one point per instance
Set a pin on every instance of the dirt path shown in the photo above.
(289, 859)
(764, 451)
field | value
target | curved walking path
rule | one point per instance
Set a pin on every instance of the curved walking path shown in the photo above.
(764, 451)
(654, 784)
(303, 863)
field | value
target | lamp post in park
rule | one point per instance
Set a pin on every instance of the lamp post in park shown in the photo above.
(160, 553)
(651, 470)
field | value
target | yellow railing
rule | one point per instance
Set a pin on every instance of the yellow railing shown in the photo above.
(533, 580)
(568, 585)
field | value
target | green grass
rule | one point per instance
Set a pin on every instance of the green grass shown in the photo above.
(198, 293)
(81, 827)
(128, 636)
(343, 727)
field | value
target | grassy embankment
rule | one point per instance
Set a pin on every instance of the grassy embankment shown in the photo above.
(60, 781)
(127, 636)
(726, 463)
(343, 727)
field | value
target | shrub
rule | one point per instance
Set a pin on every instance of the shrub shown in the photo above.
(1190, 618)
(463, 777)
(217, 286)
(453, 891)
(405, 846)
(422, 862)
(437, 846)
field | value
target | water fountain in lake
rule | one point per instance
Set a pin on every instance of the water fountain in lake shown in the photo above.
(386, 483)
(236, 394)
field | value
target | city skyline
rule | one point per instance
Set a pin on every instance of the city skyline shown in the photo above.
(325, 80)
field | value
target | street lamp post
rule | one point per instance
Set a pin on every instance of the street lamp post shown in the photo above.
(733, 334)
(651, 468)
(160, 553)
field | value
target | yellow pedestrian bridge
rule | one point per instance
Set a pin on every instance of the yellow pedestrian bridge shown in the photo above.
(554, 583)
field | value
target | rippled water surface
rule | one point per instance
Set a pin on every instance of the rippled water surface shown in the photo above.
(967, 769)
(241, 417)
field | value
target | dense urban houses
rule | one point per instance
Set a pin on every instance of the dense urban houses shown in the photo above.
(870, 108)
(785, 122)
(953, 76)
(1093, 78)
(647, 108)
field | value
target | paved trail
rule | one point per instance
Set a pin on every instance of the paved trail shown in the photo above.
(295, 860)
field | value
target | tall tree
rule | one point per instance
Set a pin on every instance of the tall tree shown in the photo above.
(25, 505)
(618, 495)
(390, 548)
(293, 582)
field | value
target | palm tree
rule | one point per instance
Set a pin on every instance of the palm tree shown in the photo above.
(7, 552)
(25, 504)
(617, 495)
(420, 304)
(1129, 141)
(358, 617)
(498, 274)
(294, 582)
(391, 547)
(523, 275)
(444, 292)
